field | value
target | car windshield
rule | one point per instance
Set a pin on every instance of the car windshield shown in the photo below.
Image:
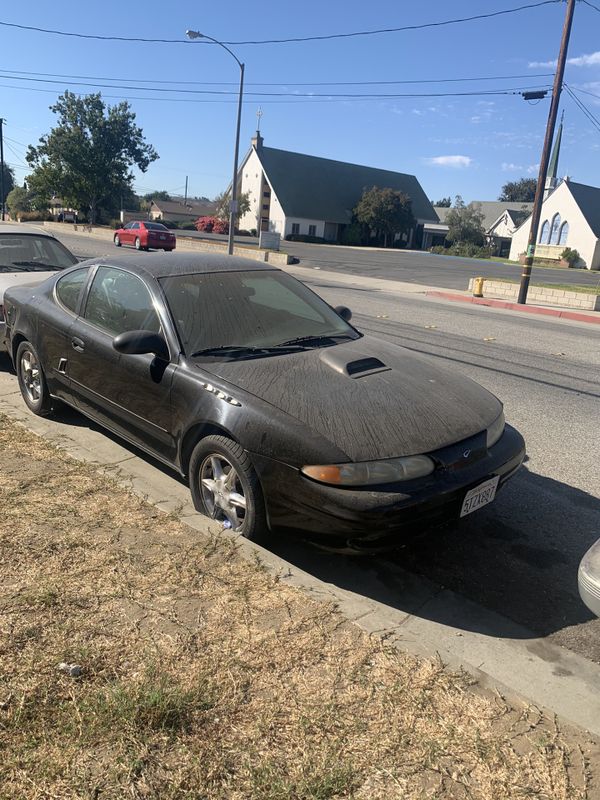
(248, 314)
(155, 226)
(31, 253)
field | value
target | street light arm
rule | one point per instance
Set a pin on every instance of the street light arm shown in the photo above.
(224, 46)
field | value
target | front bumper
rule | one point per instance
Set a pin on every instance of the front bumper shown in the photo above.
(388, 516)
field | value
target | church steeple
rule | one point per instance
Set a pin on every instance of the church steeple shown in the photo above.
(552, 175)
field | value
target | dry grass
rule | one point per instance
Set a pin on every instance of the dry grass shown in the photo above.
(204, 677)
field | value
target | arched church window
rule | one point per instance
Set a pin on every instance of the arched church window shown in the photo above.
(564, 233)
(545, 231)
(555, 229)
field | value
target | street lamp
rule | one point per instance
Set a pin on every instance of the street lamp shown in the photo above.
(233, 205)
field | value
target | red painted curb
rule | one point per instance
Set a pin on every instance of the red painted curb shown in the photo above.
(548, 312)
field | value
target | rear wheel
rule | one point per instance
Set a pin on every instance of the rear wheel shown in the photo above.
(32, 381)
(138, 243)
(117, 240)
(226, 488)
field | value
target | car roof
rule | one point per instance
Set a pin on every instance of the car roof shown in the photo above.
(163, 265)
(24, 229)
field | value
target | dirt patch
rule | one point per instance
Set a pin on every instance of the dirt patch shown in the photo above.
(202, 676)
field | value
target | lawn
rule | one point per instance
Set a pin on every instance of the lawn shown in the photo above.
(201, 675)
(569, 287)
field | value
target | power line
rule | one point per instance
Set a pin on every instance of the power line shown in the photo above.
(287, 83)
(330, 96)
(594, 120)
(591, 5)
(324, 37)
(221, 92)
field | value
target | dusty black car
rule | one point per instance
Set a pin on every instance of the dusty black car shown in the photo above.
(280, 413)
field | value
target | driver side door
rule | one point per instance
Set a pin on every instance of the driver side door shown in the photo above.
(130, 394)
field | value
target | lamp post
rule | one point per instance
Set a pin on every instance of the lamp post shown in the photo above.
(233, 205)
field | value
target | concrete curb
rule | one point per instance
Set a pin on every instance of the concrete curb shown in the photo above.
(411, 612)
(576, 316)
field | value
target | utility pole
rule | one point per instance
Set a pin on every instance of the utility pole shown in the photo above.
(185, 195)
(541, 183)
(1, 170)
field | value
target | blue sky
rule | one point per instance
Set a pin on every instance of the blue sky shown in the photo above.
(455, 145)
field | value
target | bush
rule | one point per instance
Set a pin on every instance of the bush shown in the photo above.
(212, 225)
(464, 249)
(187, 226)
(35, 216)
(352, 235)
(570, 256)
(301, 237)
(170, 224)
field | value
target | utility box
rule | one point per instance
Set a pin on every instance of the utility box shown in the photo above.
(269, 240)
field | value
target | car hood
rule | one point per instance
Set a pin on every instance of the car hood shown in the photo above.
(9, 279)
(370, 398)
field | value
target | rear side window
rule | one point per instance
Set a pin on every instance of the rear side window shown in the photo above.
(68, 288)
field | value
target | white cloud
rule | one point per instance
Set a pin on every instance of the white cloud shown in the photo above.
(510, 167)
(586, 60)
(533, 168)
(457, 162)
(418, 112)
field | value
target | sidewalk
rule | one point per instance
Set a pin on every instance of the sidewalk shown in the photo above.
(593, 317)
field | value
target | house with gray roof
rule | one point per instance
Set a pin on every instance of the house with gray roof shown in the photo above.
(297, 194)
(181, 210)
(500, 221)
(570, 218)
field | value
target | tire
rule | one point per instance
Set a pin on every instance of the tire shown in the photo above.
(138, 243)
(216, 501)
(117, 240)
(32, 381)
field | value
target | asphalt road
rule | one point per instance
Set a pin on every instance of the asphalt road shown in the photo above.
(518, 556)
(445, 272)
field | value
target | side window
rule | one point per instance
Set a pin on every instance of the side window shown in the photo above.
(119, 302)
(135, 225)
(68, 288)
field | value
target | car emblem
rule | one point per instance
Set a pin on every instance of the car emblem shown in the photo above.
(466, 454)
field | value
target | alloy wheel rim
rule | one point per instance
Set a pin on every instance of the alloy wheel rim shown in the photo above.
(137, 244)
(117, 240)
(222, 491)
(30, 372)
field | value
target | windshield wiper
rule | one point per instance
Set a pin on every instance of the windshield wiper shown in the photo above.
(37, 266)
(316, 339)
(241, 350)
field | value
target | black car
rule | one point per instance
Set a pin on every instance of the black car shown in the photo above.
(280, 413)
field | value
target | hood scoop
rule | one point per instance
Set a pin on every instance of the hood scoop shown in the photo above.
(359, 367)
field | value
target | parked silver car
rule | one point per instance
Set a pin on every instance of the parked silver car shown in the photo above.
(28, 255)
(589, 578)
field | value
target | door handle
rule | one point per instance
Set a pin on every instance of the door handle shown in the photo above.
(78, 344)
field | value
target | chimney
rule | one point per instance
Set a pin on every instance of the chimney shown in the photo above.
(257, 141)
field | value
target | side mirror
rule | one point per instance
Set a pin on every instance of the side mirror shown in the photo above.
(344, 312)
(140, 342)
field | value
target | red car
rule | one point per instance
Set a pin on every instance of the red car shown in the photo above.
(145, 235)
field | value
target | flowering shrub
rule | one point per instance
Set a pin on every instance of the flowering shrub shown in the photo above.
(212, 225)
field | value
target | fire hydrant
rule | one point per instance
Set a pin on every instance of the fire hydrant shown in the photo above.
(478, 287)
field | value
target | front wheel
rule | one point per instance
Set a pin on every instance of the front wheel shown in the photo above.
(32, 381)
(226, 488)
(117, 240)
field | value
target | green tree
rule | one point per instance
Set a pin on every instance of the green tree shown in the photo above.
(445, 202)
(87, 158)
(18, 200)
(522, 191)
(158, 195)
(386, 211)
(465, 223)
(222, 204)
(8, 182)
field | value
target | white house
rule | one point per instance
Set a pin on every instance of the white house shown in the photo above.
(570, 218)
(293, 193)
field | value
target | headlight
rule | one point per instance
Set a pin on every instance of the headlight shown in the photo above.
(368, 473)
(495, 431)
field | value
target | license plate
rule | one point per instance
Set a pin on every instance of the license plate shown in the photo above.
(479, 496)
(162, 236)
